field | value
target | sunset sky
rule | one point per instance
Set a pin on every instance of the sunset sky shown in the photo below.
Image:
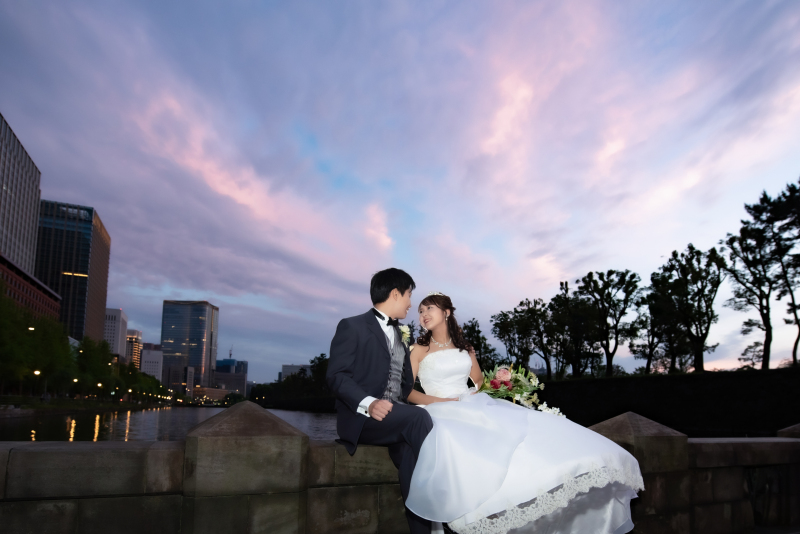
(271, 156)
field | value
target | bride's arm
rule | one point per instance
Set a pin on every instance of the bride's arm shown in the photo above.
(475, 373)
(417, 397)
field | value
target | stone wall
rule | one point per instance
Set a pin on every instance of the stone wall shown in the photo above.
(247, 471)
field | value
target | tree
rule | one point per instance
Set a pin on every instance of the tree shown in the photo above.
(781, 216)
(691, 280)
(612, 294)
(751, 258)
(540, 332)
(485, 353)
(575, 321)
(650, 334)
(504, 328)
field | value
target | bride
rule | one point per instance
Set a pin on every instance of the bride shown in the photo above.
(492, 467)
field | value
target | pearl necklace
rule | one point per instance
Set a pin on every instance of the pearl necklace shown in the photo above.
(441, 345)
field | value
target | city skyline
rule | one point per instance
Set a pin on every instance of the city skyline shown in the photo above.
(270, 160)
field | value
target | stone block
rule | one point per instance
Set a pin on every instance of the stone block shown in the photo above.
(713, 518)
(392, 512)
(728, 483)
(321, 461)
(702, 486)
(676, 523)
(78, 469)
(154, 514)
(742, 516)
(279, 513)
(5, 450)
(214, 515)
(369, 465)
(723, 452)
(244, 450)
(790, 432)
(164, 467)
(656, 447)
(351, 510)
(38, 517)
(665, 492)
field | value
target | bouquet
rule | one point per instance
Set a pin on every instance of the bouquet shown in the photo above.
(517, 386)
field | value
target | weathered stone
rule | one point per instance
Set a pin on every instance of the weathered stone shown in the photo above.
(321, 457)
(702, 486)
(77, 469)
(38, 517)
(723, 452)
(713, 518)
(656, 447)
(245, 450)
(279, 513)
(154, 514)
(213, 515)
(742, 516)
(728, 483)
(369, 465)
(164, 467)
(351, 510)
(392, 512)
(5, 450)
(665, 492)
(790, 432)
(676, 523)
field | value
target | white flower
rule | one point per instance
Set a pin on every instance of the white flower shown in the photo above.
(405, 334)
(517, 397)
(553, 410)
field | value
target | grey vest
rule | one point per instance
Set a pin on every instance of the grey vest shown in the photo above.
(393, 390)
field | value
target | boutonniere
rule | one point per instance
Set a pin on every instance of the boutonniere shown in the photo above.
(405, 334)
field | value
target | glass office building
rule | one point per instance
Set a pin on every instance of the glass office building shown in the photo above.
(189, 338)
(73, 252)
(19, 201)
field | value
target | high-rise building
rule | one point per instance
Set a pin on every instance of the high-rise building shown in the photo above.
(19, 201)
(189, 337)
(116, 332)
(231, 375)
(133, 347)
(73, 251)
(152, 362)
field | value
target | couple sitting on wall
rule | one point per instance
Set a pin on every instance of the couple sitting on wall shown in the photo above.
(467, 463)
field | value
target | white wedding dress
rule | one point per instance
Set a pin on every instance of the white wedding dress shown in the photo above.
(492, 467)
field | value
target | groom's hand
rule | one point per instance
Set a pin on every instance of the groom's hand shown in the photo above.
(379, 409)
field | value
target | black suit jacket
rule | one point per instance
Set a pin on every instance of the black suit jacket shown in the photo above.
(358, 368)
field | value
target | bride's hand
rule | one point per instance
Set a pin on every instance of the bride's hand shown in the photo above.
(440, 399)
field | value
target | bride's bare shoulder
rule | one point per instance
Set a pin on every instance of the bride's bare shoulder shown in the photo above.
(418, 352)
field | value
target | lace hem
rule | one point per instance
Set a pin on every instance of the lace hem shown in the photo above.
(551, 501)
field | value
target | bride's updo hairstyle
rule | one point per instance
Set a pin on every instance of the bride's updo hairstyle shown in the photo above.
(444, 303)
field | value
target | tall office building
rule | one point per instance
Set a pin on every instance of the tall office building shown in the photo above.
(28, 292)
(133, 348)
(116, 331)
(153, 361)
(19, 201)
(231, 375)
(189, 337)
(72, 255)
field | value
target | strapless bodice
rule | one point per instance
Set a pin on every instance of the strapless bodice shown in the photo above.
(444, 373)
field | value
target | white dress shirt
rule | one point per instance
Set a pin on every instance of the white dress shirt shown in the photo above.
(383, 320)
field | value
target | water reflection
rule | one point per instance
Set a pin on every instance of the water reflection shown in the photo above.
(157, 424)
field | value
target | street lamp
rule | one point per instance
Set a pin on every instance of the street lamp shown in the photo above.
(74, 379)
(99, 385)
(37, 373)
(130, 391)
(31, 328)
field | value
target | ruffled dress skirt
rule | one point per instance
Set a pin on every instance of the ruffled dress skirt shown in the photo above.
(493, 467)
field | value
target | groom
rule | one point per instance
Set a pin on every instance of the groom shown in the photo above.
(369, 371)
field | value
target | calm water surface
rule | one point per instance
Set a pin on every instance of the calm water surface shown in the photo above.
(158, 424)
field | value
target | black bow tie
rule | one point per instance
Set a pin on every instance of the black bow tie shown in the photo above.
(390, 322)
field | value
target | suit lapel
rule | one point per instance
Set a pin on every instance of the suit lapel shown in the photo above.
(377, 331)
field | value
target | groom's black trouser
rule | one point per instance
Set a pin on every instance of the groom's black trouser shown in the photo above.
(403, 432)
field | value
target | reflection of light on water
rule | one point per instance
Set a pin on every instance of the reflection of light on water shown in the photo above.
(128, 425)
(33, 435)
(72, 430)
(96, 427)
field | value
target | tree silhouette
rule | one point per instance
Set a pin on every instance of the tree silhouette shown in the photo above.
(486, 354)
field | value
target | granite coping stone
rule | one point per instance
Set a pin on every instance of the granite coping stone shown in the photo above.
(722, 452)
(790, 432)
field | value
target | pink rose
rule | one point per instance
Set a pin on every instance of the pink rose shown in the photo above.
(503, 375)
(495, 384)
(507, 384)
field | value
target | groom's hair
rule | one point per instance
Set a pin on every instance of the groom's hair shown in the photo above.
(382, 283)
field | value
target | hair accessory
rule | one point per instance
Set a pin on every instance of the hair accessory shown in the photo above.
(436, 293)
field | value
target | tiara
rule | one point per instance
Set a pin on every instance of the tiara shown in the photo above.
(436, 293)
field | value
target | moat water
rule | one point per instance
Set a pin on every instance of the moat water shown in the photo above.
(157, 424)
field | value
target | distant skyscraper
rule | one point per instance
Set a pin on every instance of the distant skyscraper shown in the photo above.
(73, 252)
(189, 337)
(231, 374)
(133, 348)
(29, 292)
(152, 362)
(19, 201)
(116, 332)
